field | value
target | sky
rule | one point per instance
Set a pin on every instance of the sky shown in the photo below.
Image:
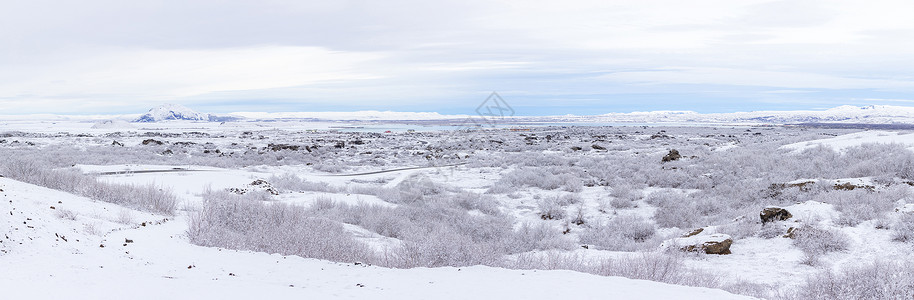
(542, 57)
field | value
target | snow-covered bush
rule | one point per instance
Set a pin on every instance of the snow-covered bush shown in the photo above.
(238, 222)
(473, 201)
(903, 229)
(815, 242)
(441, 246)
(143, 197)
(65, 214)
(550, 208)
(622, 233)
(682, 211)
(290, 182)
(860, 205)
(540, 236)
(878, 280)
(541, 177)
(654, 267)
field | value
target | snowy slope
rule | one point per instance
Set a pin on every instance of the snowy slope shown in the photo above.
(856, 139)
(50, 255)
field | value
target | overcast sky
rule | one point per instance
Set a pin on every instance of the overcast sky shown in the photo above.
(543, 57)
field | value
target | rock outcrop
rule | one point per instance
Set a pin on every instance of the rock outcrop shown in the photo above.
(772, 213)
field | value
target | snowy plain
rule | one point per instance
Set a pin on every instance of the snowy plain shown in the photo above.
(58, 251)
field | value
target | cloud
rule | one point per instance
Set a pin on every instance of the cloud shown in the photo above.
(94, 54)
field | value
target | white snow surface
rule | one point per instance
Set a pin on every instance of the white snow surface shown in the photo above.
(842, 142)
(51, 255)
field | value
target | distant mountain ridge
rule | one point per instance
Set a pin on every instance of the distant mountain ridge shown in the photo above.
(870, 114)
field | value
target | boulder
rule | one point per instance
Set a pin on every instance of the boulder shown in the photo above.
(152, 142)
(258, 184)
(772, 213)
(710, 244)
(673, 155)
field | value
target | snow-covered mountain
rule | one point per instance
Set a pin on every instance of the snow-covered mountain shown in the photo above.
(167, 112)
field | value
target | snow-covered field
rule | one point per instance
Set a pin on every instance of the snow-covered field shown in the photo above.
(536, 212)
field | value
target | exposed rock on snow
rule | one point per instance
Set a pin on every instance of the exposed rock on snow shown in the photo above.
(256, 185)
(673, 155)
(152, 142)
(693, 232)
(708, 243)
(772, 213)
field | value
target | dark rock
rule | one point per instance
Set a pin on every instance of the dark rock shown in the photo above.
(152, 142)
(771, 214)
(673, 155)
(278, 147)
(709, 244)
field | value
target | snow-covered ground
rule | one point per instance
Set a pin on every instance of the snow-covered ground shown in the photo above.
(587, 178)
(856, 139)
(48, 255)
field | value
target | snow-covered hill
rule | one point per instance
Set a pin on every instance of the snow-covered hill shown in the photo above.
(168, 112)
(172, 112)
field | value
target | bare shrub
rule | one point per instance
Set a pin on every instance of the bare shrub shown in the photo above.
(236, 222)
(443, 246)
(65, 214)
(541, 236)
(815, 241)
(290, 182)
(621, 203)
(860, 205)
(550, 209)
(143, 197)
(472, 201)
(748, 225)
(682, 211)
(125, 216)
(622, 233)
(878, 280)
(903, 229)
(540, 177)
(569, 199)
(653, 267)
